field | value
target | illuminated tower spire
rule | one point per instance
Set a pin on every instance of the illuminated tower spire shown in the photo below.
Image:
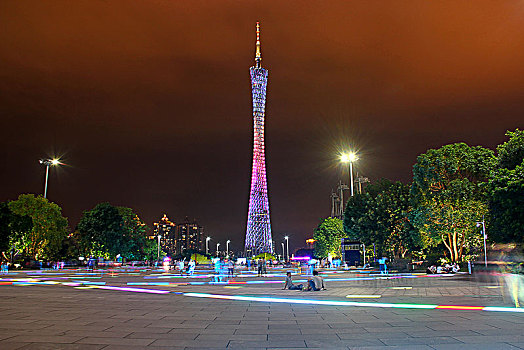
(258, 233)
(258, 55)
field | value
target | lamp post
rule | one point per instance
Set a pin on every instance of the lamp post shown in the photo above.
(364, 250)
(227, 247)
(485, 236)
(158, 256)
(207, 244)
(47, 163)
(349, 158)
(218, 245)
(283, 251)
(287, 246)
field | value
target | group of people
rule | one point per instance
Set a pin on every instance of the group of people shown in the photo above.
(314, 283)
(4, 267)
(447, 268)
(220, 269)
(191, 265)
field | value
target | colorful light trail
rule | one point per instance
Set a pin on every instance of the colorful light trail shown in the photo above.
(353, 303)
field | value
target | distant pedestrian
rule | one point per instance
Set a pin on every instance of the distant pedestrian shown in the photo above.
(264, 265)
(261, 267)
(230, 269)
(191, 267)
(382, 265)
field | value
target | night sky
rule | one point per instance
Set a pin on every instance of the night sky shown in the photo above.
(149, 102)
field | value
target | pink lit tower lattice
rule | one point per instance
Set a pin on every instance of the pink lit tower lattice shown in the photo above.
(258, 234)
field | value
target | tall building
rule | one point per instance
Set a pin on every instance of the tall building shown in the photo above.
(167, 231)
(177, 238)
(258, 233)
(190, 235)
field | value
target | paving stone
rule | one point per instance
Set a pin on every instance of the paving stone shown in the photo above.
(191, 343)
(115, 341)
(58, 339)
(54, 346)
(8, 345)
(483, 346)
(267, 344)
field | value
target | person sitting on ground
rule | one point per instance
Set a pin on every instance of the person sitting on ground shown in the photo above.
(315, 283)
(432, 269)
(289, 283)
(455, 268)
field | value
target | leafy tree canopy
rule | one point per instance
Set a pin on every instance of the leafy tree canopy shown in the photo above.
(506, 203)
(49, 229)
(380, 217)
(328, 236)
(12, 226)
(450, 196)
(108, 231)
(452, 172)
(511, 153)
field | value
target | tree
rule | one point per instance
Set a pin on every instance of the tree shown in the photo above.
(11, 226)
(506, 184)
(109, 231)
(360, 220)
(381, 217)
(452, 223)
(44, 238)
(393, 207)
(102, 231)
(328, 236)
(450, 195)
(511, 153)
(135, 235)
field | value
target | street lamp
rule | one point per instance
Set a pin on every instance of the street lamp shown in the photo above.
(218, 245)
(485, 236)
(227, 247)
(283, 251)
(287, 246)
(207, 244)
(47, 163)
(159, 236)
(364, 250)
(349, 158)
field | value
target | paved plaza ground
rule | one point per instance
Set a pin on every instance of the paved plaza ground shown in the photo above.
(122, 309)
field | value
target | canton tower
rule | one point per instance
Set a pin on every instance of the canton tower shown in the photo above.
(258, 234)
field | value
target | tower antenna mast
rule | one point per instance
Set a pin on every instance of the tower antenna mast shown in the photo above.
(258, 54)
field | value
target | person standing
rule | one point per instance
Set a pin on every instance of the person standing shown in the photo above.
(181, 266)
(230, 269)
(259, 267)
(191, 267)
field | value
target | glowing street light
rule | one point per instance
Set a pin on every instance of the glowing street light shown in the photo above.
(287, 246)
(159, 236)
(349, 158)
(227, 247)
(218, 245)
(47, 163)
(207, 244)
(483, 224)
